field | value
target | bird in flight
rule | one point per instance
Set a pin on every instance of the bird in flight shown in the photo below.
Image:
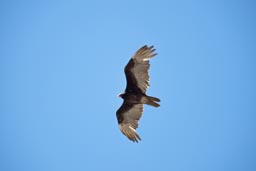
(137, 78)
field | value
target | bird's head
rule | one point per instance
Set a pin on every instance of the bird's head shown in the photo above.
(121, 95)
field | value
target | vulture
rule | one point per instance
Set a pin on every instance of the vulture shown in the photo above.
(134, 97)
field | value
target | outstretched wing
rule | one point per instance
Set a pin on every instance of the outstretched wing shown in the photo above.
(128, 116)
(136, 70)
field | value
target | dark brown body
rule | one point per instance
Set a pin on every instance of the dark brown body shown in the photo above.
(136, 72)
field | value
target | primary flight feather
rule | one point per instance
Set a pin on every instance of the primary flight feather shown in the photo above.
(137, 78)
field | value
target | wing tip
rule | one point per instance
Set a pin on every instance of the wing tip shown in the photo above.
(145, 53)
(129, 132)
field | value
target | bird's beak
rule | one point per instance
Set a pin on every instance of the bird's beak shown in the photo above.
(120, 95)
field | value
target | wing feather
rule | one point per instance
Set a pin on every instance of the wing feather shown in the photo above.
(137, 69)
(128, 120)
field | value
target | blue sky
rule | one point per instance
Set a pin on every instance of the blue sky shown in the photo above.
(61, 68)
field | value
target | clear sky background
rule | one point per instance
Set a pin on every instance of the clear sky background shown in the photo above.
(61, 68)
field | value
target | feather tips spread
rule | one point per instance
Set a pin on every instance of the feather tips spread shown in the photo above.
(137, 77)
(129, 132)
(130, 121)
(141, 66)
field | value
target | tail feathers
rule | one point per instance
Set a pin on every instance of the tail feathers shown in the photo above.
(149, 100)
(154, 98)
(152, 103)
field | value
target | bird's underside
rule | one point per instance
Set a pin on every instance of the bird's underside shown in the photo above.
(137, 77)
